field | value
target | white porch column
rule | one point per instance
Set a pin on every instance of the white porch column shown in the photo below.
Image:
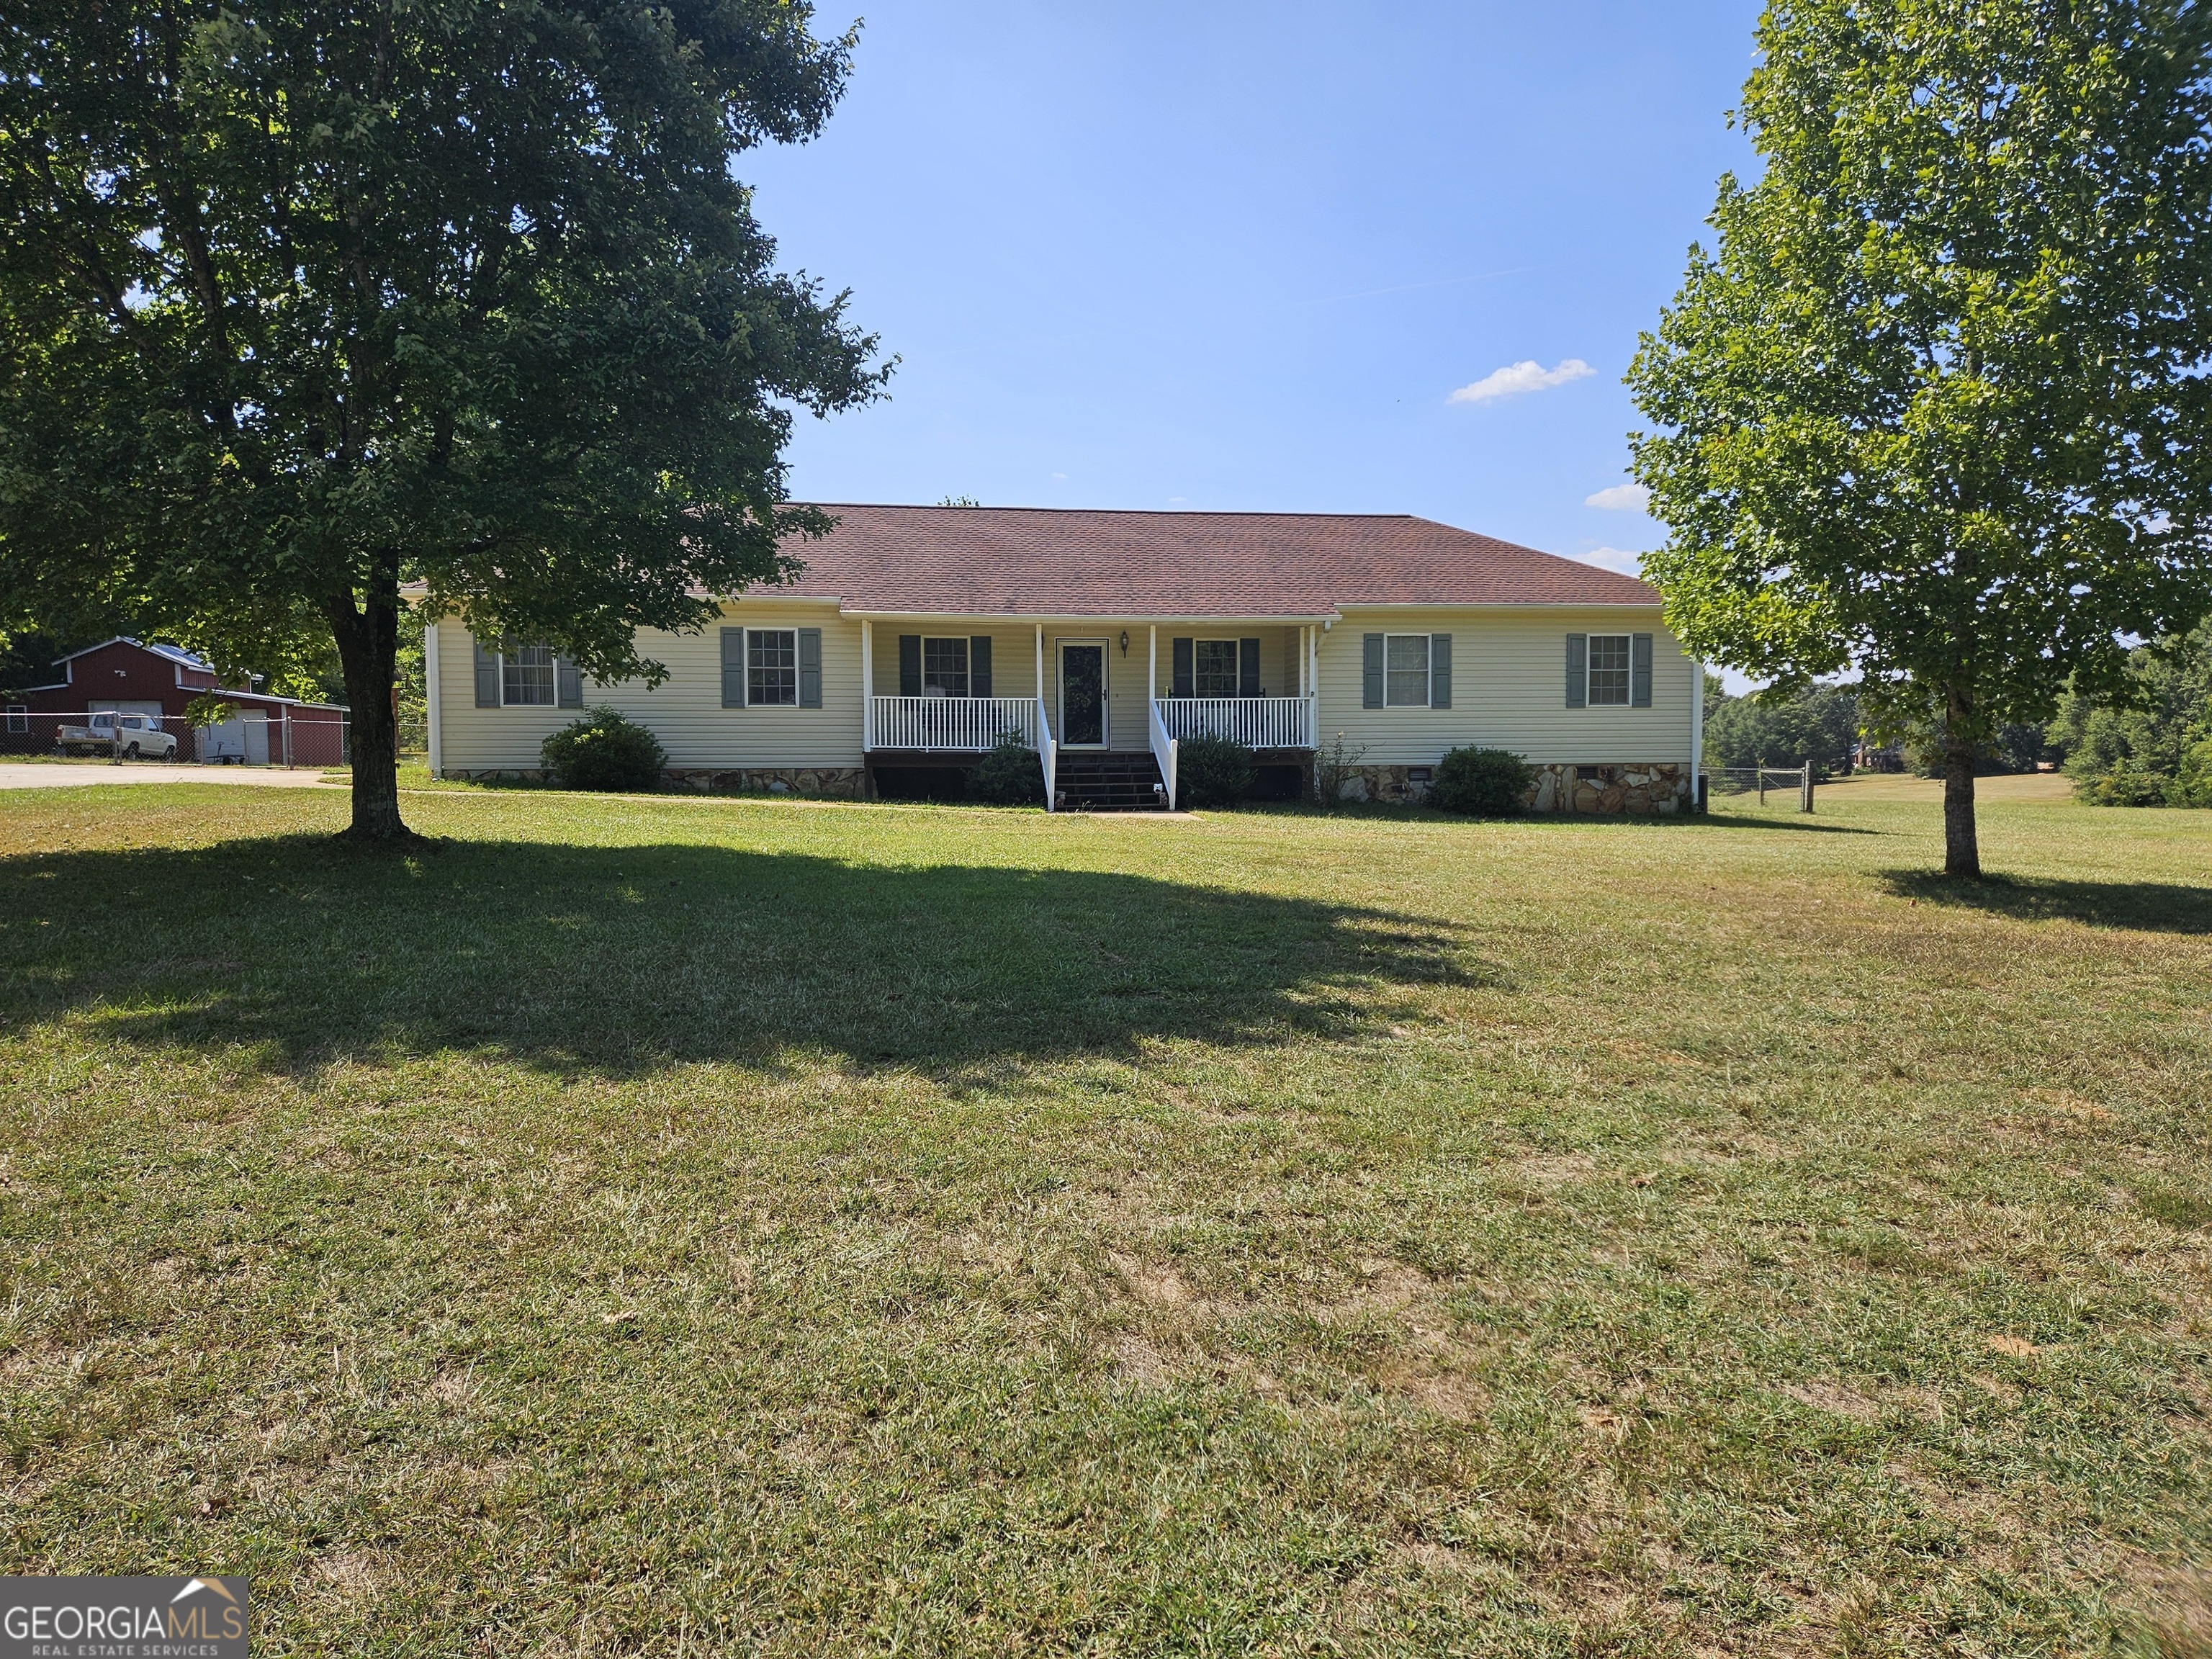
(1039, 661)
(430, 685)
(1152, 666)
(867, 685)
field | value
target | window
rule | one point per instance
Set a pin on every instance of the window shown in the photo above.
(1406, 670)
(527, 676)
(19, 717)
(1608, 670)
(772, 666)
(1215, 673)
(945, 667)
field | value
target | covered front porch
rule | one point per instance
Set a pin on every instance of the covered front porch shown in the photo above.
(1098, 700)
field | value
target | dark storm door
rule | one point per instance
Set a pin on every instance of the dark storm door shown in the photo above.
(1083, 695)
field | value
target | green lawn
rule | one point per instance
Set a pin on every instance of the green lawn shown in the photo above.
(672, 1226)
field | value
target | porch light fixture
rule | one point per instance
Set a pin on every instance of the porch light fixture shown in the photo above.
(1125, 641)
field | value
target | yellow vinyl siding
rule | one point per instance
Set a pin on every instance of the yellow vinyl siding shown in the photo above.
(684, 711)
(1508, 689)
(1509, 673)
(1014, 652)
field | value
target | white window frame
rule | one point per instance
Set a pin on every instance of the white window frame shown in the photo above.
(552, 677)
(1627, 643)
(967, 662)
(1428, 671)
(19, 718)
(753, 700)
(1236, 668)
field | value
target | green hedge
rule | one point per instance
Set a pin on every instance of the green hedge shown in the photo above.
(1010, 775)
(604, 750)
(1491, 783)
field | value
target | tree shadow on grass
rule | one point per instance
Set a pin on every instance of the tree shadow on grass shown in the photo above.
(2157, 906)
(622, 960)
(1392, 812)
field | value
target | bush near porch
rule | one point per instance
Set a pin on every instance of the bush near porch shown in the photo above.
(687, 1225)
(1010, 774)
(1213, 771)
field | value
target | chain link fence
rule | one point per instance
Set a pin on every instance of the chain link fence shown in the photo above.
(318, 737)
(1758, 779)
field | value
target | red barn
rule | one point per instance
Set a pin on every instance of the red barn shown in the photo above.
(134, 678)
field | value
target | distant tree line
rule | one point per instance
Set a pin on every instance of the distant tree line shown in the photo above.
(1819, 728)
(2155, 748)
(2151, 745)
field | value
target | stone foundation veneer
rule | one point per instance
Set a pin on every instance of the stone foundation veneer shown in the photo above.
(815, 783)
(1617, 791)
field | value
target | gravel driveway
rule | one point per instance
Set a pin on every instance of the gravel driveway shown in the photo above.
(62, 774)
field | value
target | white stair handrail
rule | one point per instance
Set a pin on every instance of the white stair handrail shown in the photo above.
(1165, 751)
(1048, 753)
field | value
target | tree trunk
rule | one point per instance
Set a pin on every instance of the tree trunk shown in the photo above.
(1962, 852)
(368, 638)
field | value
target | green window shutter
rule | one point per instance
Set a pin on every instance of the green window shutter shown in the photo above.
(1247, 668)
(1186, 668)
(810, 668)
(567, 685)
(1640, 671)
(1370, 671)
(734, 668)
(979, 664)
(1439, 670)
(486, 675)
(1578, 671)
(909, 665)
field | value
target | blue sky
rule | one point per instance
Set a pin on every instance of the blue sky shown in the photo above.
(1243, 256)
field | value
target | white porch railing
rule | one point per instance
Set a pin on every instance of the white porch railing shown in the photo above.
(1164, 752)
(952, 723)
(1256, 722)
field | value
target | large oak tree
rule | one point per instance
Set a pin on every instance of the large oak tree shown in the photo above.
(299, 302)
(1936, 409)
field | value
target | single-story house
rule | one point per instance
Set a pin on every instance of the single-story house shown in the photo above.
(132, 676)
(916, 636)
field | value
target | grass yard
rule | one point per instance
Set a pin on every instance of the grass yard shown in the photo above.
(675, 1226)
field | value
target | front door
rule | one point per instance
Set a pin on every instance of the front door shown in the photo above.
(1083, 694)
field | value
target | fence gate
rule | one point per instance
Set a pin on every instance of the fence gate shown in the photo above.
(1758, 780)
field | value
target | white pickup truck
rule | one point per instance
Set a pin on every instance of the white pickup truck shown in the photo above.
(127, 737)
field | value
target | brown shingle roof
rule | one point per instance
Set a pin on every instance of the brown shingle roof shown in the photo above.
(1052, 562)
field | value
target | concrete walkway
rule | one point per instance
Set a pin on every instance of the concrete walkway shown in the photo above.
(63, 775)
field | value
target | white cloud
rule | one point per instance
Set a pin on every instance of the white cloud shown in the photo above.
(1621, 498)
(1611, 558)
(1060, 477)
(1530, 376)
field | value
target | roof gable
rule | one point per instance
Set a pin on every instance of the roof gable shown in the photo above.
(172, 654)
